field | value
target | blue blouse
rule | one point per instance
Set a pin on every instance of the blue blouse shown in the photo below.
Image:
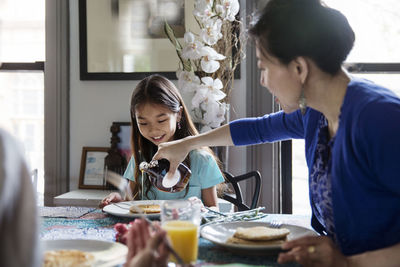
(320, 179)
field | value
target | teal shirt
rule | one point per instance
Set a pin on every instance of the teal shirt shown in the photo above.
(205, 174)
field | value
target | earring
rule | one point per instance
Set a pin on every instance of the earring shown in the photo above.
(302, 102)
(179, 125)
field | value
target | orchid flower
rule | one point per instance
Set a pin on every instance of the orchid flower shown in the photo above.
(205, 128)
(187, 81)
(193, 48)
(203, 10)
(228, 9)
(199, 96)
(215, 114)
(209, 59)
(211, 32)
(213, 88)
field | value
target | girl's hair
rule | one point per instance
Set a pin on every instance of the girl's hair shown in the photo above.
(287, 29)
(156, 89)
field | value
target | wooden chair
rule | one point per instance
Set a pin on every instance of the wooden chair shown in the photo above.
(238, 200)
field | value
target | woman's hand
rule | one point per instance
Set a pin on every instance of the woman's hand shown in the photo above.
(175, 152)
(146, 249)
(313, 251)
(111, 198)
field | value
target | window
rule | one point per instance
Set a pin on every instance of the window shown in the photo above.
(22, 53)
(375, 56)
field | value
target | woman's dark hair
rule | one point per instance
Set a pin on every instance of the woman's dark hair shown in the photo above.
(156, 89)
(287, 29)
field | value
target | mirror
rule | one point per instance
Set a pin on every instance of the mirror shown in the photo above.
(125, 39)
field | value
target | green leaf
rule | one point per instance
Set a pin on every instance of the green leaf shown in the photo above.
(187, 66)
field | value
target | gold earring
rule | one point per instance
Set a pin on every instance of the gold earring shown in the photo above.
(302, 102)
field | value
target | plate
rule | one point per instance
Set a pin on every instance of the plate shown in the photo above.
(218, 234)
(106, 253)
(121, 209)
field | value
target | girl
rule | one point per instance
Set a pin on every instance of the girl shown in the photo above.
(159, 115)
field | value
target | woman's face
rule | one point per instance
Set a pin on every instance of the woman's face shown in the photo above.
(280, 80)
(156, 122)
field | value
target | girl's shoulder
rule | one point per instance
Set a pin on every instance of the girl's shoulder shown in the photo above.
(200, 156)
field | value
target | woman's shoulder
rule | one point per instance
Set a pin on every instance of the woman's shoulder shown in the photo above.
(366, 98)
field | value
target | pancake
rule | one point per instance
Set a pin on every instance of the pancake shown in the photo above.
(68, 258)
(261, 233)
(235, 240)
(147, 209)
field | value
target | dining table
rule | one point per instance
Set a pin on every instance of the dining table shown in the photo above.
(61, 223)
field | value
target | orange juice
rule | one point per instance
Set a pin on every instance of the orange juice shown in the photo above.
(184, 238)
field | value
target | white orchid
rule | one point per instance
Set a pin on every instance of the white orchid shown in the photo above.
(215, 113)
(193, 48)
(199, 97)
(203, 10)
(211, 32)
(213, 88)
(205, 129)
(209, 59)
(187, 81)
(228, 9)
(201, 56)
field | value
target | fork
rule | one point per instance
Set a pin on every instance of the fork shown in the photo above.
(275, 224)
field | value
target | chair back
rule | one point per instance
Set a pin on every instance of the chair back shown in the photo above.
(238, 200)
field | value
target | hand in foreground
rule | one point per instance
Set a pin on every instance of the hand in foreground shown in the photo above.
(197, 201)
(111, 198)
(312, 251)
(144, 249)
(175, 152)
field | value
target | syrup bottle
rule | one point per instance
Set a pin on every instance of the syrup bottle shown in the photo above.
(157, 170)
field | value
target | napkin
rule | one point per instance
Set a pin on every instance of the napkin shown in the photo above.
(64, 212)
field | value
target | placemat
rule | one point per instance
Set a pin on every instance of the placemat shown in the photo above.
(64, 212)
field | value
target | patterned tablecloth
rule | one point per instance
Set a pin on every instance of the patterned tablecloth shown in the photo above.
(99, 226)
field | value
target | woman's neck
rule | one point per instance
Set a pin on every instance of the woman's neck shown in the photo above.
(325, 93)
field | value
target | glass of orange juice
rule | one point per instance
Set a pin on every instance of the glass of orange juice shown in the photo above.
(181, 219)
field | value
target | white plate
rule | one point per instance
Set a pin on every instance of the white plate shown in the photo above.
(106, 253)
(121, 209)
(218, 233)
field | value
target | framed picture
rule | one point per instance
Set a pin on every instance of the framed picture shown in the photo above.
(125, 39)
(92, 168)
(124, 144)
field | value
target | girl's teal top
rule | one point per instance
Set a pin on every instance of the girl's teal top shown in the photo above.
(205, 174)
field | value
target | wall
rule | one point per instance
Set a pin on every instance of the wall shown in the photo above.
(94, 105)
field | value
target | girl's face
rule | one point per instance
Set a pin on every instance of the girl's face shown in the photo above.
(156, 122)
(280, 80)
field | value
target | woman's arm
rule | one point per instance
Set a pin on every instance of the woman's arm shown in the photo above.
(387, 257)
(176, 151)
(209, 197)
(321, 251)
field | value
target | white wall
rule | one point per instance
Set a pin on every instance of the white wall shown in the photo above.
(94, 105)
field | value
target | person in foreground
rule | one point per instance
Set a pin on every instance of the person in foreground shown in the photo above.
(19, 221)
(351, 130)
(158, 114)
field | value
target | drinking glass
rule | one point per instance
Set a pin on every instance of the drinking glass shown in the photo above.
(181, 219)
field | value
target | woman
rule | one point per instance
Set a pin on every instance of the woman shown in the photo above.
(351, 132)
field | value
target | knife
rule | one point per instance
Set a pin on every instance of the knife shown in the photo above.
(121, 183)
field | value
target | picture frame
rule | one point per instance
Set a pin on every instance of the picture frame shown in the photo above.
(124, 144)
(92, 171)
(111, 50)
(118, 44)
